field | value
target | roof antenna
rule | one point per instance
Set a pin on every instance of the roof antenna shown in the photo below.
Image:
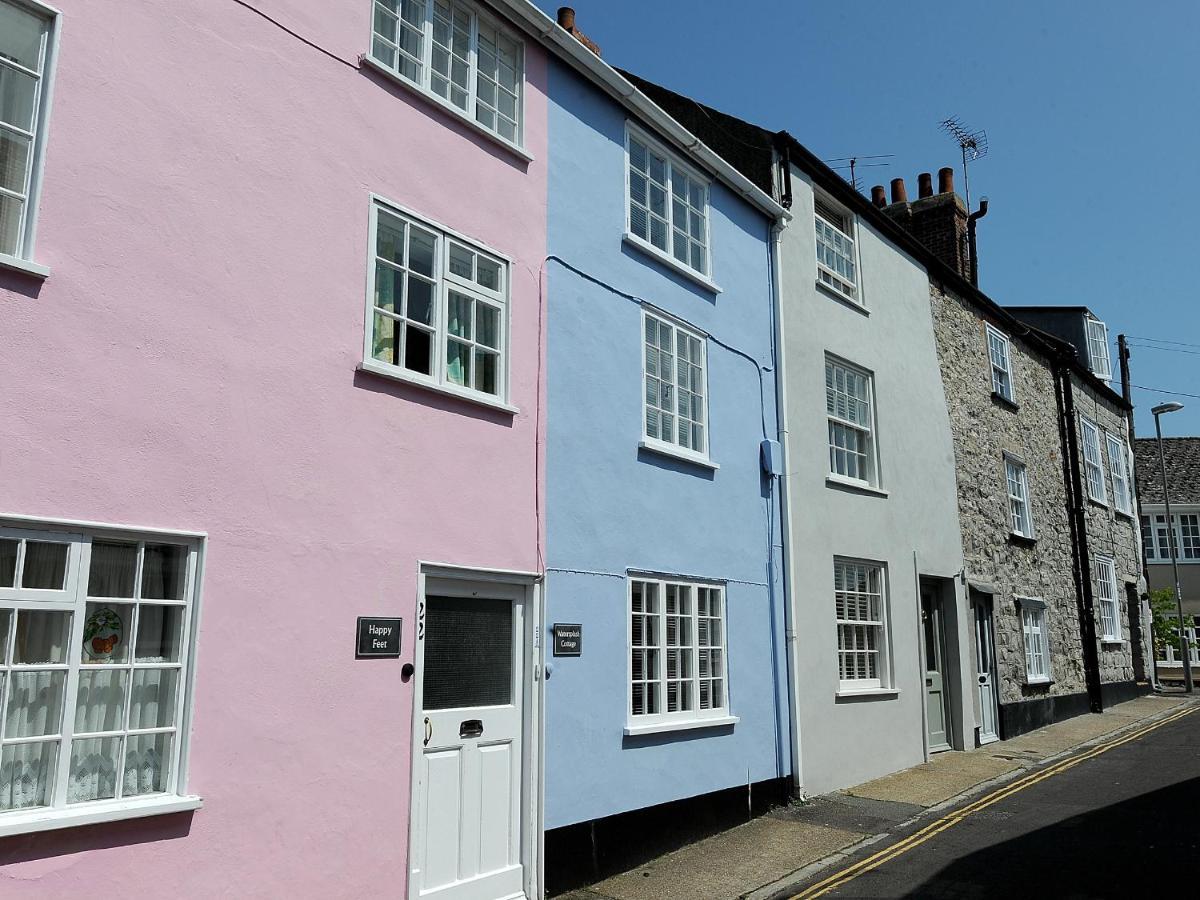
(974, 145)
(852, 163)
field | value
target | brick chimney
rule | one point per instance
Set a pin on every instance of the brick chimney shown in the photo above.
(939, 221)
(566, 20)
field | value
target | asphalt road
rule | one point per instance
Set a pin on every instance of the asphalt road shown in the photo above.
(1125, 824)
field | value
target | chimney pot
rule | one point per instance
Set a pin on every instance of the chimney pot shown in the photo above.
(566, 17)
(879, 196)
(899, 194)
(945, 180)
(924, 185)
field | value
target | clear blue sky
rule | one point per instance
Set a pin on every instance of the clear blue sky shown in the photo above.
(1090, 109)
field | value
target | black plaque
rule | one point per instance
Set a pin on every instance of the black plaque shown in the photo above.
(568, 639)
(378, 637)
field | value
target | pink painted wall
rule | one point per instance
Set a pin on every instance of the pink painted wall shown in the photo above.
(190, 363)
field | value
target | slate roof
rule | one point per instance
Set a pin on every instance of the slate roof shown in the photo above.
(1183, 469)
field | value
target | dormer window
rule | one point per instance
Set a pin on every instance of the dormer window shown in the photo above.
(1098, 358)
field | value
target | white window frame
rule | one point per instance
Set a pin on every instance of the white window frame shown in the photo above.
(1159, 549)
(1108, 598)
(73, 599)
(835, 421)
(444, 282)
(846, 288)
(1002, 367)
(658, 443)
(1118, 465)
(1035, 640)
(703, 275)
(681, 719)
(1020, 506)
(479, 16)
(846, 626)
(23, 257)
(1099, 359)
(1093, 468)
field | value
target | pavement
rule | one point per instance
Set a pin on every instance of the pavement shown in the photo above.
(773, 855)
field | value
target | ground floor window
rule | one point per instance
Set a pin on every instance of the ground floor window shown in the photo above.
(1110, 609)
(1037, 647)
(677, 666)
(94, 637)
(861, 610)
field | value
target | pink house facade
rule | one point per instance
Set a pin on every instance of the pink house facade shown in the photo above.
(269, 285)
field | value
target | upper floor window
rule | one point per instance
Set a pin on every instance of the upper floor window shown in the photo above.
(860, 608)
(675, 385)
(437, 307)
(1093, 462)
(1155, 542)
(848, 402)
(1097, 341)
(27, 40)
(668, 204)
(1110, 609)
(451, 50)
(1018, 497)
(95, 636)
(1118, 463)
(837, 265)
(1000, 354)
(677, 668)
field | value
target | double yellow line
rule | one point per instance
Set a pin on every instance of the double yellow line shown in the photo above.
(936, 827)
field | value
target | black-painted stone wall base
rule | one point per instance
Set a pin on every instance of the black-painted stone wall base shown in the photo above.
(582, 854)
(1120, 691)
(1027, 715)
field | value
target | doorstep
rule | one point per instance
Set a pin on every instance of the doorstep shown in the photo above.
(761, 858)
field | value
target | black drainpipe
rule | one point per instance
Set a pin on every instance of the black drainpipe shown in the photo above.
(972, 246)
(1082, 563)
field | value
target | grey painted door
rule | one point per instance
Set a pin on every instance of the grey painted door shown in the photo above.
(985, 666)
(935, 667)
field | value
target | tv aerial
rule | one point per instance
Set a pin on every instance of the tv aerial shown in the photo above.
(973, 144)
(853, 163)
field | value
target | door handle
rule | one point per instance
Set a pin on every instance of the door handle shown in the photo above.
(471, 728)
(428, 731)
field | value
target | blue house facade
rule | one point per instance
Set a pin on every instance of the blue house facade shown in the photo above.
(662, 515)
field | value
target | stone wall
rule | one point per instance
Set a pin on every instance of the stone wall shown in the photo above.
(984, 429)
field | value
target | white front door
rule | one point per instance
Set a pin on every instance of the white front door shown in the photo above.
(985, 660)
(467, 829)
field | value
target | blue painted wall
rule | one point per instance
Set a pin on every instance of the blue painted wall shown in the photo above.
(611, 507)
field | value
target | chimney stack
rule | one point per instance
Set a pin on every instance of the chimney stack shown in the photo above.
(899, 194)
(924, 185)
(939, 221)
(879, 196)
(566, 21)
(945, 180)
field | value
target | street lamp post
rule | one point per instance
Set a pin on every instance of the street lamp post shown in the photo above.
(1184, 650)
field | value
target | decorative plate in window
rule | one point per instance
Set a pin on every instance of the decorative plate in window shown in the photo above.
(102, 634)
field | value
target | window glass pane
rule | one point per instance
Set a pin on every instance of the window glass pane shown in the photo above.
(468, 653)
(489, 274)
(41, 637)
(462, 261)
(106, 633)
(35, 703)
(26, 772)
(152, 704)
(418, 350)
(100, 700)
(17, 93)
(93, 769)
(458, 363)
(384, 346)
(147, 764)
(112, 570)
(5, 623)
(14, 159)
(160, 630)
(8, 562)
(10, 224)
(458, 315)
(21, 36)
(164, 568)
(487, 325)
(45, 565)
(486, 365)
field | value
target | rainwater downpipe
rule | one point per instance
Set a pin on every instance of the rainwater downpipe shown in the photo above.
(789, 579)
(972, 245)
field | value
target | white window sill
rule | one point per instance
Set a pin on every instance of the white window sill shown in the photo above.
(671, 262)
(1113, 643)
(93, 813)
(852, 484)
(1128, 515)
(1045, 679)
(385, 371)
(1101, 503)
(674, 452)
(682, 725)
(366, 60)
(853, 302)
(28, 266)
(847, 693)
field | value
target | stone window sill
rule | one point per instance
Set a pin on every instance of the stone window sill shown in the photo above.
(1001, 400)
(1021, 540)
